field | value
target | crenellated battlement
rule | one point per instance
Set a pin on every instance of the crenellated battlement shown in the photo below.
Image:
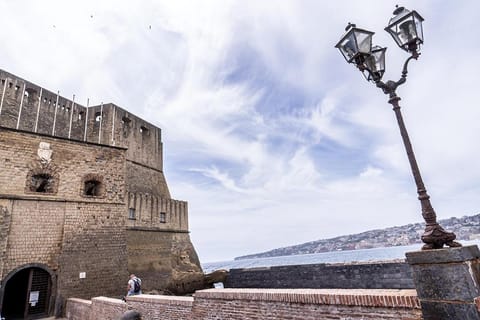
(29, 107)
(148, 211)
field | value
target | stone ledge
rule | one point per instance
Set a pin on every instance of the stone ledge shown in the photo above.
(109, 301)
(160, 299)
(388, 298)
(81, 301)
(447, 255)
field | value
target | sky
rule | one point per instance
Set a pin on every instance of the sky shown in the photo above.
(271, 137)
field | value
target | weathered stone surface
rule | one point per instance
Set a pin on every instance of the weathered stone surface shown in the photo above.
(391, 275)
(216, 276)
(445, 282)
(131, 315)
(449, 311)
(446, 255)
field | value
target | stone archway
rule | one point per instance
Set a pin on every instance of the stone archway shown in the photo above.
(28, 292)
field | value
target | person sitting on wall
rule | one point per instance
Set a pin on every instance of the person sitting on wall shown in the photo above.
(134, 285)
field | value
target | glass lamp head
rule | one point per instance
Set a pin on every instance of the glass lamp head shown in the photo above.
(376, 64)
(406, 29)
(355, 45)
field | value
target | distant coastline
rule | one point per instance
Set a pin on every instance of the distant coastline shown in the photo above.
(466, 228)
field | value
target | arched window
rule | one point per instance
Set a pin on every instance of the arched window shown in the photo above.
(92, 186)
(42, 182)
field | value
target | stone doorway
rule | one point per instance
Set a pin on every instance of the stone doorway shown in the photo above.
(27, 294)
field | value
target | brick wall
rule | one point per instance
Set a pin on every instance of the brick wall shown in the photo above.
(143, 179)
(305, 304)
(70, 163)
(94, 242)
(78, 309)
(64, 229)
(5, 223)
(391, 275)
(162, 307)
(110, 309)
(259, 304)
(36, 230)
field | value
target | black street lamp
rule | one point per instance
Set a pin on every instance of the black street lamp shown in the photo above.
(356, 47)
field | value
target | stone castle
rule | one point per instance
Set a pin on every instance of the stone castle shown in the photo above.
(83, 203)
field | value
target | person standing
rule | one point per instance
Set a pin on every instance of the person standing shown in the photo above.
(134, 285)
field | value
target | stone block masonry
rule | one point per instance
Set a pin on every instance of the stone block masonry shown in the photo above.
(83, 203)
(447, 282)
(60, 228)
(385, 275)
(260, 304)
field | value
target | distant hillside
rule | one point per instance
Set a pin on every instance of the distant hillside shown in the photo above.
(466, 228)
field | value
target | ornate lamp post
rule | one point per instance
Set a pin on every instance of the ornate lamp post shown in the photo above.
(356, 47)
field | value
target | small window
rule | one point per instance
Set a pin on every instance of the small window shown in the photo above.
(92, 188)
(98, 116)
(42, 183)
(126, 121)
(163, 217)
(131, 214)
(17, 88)
(80, 115)
(30, 94)
(144, 130)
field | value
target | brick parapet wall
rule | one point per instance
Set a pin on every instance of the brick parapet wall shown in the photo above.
(378, 275)
(253, 304)
(78, 309)
(305, 304)
(348, 297)
(162, 307)
(109, 308)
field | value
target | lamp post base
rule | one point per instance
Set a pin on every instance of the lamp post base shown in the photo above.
(435, 237)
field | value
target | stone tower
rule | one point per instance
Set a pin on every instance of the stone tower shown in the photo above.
(83, 203)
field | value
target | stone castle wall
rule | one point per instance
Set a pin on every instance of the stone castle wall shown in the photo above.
(62, 228)
(26, 106)
(387, 275)
(82, 191)
(29, 107)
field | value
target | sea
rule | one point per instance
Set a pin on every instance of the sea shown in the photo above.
(347, 256)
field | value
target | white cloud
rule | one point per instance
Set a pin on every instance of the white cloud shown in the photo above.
(271, 137)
